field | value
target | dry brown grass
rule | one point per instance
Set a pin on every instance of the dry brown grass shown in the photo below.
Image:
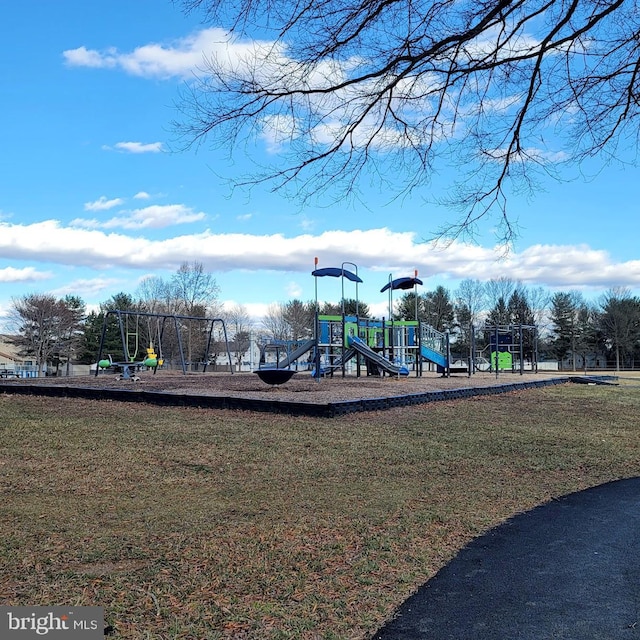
(186, 523)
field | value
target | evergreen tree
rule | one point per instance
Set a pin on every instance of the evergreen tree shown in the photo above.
(354, 307)
(90, 342)
(439, 309)
(499, 315)
(300, 317)
(573, 330)
(619, 320)
(350, 306)
(564, 316)
(518, 310)
(405, 307)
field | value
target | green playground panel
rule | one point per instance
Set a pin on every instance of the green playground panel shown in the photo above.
(372, 332)
(505, 360)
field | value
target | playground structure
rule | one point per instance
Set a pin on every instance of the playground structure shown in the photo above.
(386, 347)
(340, 343)
(128, 326)
(403, 347)
(512, 347)
(397, 347)
(379, 347)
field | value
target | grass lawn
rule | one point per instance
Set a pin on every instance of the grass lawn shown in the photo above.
(186, 523)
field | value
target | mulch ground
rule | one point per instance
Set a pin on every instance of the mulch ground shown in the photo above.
(301, 388)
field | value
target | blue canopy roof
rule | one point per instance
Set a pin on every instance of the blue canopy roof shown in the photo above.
(401, 283)
(336, 272)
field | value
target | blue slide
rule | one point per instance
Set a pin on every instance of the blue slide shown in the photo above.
(369, 354)
(433, 356)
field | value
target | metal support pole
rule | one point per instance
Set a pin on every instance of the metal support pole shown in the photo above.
(316, 327)
(521, 351)
(471, 352)
(102, 340)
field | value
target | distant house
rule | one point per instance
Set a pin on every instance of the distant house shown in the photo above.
(7, 361)
(593, 361)
(10, 362)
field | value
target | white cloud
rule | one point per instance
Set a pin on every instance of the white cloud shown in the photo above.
(152, 217)
(256, 310)
(306, 223)
(180, 58)
(379, 250)
(26, 274)
(142, 195)
(83, 57)
(332, 112)
(84, 287)
(140, 147)
(294, 290)
(102, 204)
(379, 309)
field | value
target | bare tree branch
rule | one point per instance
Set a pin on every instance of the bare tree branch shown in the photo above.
(502, 91)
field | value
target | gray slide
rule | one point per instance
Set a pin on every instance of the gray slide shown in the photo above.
(369, 354)
(298, 353)
(337, 363)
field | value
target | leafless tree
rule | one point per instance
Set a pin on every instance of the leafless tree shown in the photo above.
(238, 319)
(620, 322)
(539, 302)
(155, 295)
(45, 326)
(500, 91)
(240, 326)
(499, 290)
(195, 290)
(470, 300)
(195, 293)
(72, 322)
(275, 323)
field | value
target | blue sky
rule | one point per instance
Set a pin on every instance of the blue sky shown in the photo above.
(93, 199)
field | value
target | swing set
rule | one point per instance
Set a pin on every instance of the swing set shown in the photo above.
(129, 328)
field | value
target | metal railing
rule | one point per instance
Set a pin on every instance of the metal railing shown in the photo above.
(433, 339)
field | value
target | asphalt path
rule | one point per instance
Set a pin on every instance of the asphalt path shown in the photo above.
(568, 569)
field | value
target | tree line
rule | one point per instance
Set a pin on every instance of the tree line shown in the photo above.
(55, 332)
(569, 328)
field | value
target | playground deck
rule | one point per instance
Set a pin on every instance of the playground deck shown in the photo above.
(302, 395)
